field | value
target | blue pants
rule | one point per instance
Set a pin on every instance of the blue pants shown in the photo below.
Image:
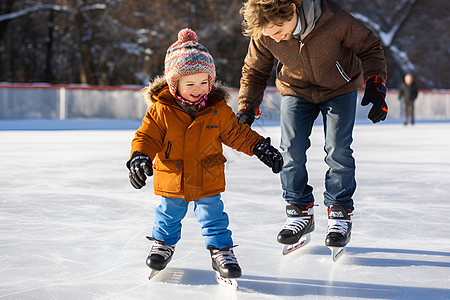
(297, 118)
(209, 212)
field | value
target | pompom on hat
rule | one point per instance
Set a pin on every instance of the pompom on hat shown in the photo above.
(187, 57)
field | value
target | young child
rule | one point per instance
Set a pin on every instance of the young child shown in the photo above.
(182, 134)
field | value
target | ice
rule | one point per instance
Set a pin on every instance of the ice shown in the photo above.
(72, 227)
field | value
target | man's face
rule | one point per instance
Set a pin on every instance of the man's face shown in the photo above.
(408, 79)
(283, 32)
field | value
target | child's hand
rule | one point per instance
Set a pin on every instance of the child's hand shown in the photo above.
(270, 156)
(139, 165)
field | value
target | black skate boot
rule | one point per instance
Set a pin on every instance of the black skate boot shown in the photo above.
(160, 255)
(298, 223)
(224, 262)
(339, 229)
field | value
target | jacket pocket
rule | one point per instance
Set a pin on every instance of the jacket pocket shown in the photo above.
(168, 175)
(342, 72)
(213, 170)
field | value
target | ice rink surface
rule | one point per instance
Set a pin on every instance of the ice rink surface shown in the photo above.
(72, 227)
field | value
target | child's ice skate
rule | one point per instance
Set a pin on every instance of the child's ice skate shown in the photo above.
(159, 256)
(226, 266)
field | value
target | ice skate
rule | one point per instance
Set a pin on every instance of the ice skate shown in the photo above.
(226, 266)
(296, 231)
(159, 256)
(336, 252)
(304, 240)
(230, 283)
(338, 230)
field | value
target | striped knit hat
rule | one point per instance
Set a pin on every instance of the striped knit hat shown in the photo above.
(187, 57)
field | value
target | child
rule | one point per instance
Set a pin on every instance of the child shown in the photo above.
(182, 134)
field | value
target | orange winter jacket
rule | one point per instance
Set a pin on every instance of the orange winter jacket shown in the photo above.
(187, 153)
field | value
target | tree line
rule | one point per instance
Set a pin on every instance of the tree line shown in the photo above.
(119, 42)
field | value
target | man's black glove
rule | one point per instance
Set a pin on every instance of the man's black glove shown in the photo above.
(247, 116)
(270, 156)
(139, 165)
(375, 94)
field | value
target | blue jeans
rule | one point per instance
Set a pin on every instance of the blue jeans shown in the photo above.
(297, 119)
(209, 213)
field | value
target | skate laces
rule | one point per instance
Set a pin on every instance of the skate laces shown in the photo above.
(162, 249)
(224, 257)
(296, 224)
(338, 225)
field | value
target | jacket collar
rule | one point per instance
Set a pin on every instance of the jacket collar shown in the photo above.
(308, 14)
(314, 14)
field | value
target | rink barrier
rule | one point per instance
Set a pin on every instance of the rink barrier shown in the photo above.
(45, 101)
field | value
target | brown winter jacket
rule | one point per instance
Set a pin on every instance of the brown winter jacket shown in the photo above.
(187, 153)
(325, 64)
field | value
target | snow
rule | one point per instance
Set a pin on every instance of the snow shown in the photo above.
(406, 64)
(25, 11)
(72, 227)
(97, 6)
(393, 21)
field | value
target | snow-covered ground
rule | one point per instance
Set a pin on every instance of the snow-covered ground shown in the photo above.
(72, 227)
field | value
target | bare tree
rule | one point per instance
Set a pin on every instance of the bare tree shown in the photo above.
(125, 41)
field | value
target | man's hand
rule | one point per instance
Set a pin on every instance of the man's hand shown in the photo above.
(375, 93)
(247, 116)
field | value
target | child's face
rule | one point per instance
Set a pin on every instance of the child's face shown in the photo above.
(193, 87)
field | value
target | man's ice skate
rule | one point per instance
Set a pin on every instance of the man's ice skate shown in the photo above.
(304, 240)
(296, 231)
(339, 230)
(226, 266)
(159, 256)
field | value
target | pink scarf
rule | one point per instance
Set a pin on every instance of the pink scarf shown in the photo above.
(201, 103)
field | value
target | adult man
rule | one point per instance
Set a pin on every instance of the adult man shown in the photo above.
(408, 93)
(324, 55)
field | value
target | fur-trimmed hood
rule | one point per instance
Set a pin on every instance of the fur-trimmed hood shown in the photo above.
(151, 92)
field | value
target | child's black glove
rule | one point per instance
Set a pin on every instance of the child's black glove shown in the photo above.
(270, 156)
(139, 165)
(375, 94)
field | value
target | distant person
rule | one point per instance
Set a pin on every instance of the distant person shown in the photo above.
(180, 142)
(324, 56)
(408, 94)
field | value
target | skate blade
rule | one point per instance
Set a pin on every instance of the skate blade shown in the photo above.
(153, 273)
(230, 283)
(336, 252)
(304, 240)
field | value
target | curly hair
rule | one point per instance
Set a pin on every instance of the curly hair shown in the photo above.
(258, 14)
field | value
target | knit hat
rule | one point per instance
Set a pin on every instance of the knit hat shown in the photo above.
(187, 57)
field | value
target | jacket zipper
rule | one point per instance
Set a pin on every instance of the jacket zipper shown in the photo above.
(169, 147)
(204, 113)
(278, 68)
(341, 70)
(303, 59)
(169, 144)
(306, 70)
